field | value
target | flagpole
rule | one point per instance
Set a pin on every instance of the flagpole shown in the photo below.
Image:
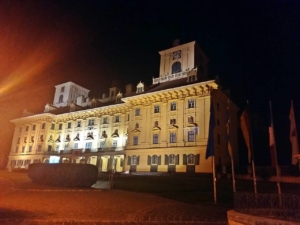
(214, 179)
(230, 147)
(251, 149)
(275, 151)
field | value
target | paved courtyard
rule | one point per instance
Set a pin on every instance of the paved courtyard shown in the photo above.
(67, 206)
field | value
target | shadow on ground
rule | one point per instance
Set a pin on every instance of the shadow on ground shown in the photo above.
(8, 214)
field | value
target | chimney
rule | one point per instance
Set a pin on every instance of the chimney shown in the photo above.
(128, 89)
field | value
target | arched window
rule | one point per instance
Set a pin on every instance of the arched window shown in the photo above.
(176, 67)
(191, 159)
(154, 159)
(133, 160)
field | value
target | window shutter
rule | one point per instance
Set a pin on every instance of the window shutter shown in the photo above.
(166, 160)
(122, 162)
(128, 160)
(197, 160)
(159, 160)
(109, 164)
(177, 160)
(184, 159)
(138, 160)
(116, 162)
(149, 160)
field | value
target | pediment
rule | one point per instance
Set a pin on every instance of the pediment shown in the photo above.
(192, 125)
(156, 129)
(135, 131)
(173, 127)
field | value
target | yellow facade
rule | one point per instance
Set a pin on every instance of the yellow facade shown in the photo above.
(162, 129)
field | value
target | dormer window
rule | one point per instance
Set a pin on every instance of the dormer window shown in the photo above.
(62, 90)
(192, 78)
(140, 87)
(118, 97)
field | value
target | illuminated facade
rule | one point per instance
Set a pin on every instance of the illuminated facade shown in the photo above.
(163, 128)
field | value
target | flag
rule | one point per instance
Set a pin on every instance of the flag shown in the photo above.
(272, 145)
(210, 148)
(293, 135)
(245, 126)
(228, 131)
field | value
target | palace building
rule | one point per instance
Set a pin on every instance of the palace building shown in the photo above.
(161, 128)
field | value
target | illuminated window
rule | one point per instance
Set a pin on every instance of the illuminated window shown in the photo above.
(156, 109)
(191, 103)
(191, 136)
(154, 160)
(104, 120)
(133, 160)
(173, 106)
(172, 159)
(191, 159)
(155, 138)
(114, 144)
(135, 140)
(172, 137)
(88, 145)
(137, 111)
(102, 144)
(91, 122)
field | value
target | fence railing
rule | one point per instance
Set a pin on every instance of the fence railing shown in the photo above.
(275, 206)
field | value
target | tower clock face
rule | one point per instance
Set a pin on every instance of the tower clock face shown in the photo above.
(177, 54)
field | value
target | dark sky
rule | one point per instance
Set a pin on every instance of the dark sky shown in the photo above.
(253, 46)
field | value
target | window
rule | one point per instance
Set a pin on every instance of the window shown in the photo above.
(155, 138)
(191, 103)
(191, 78)
(104, 120)
(30, 149)
(133, 160)
(135, 140)
(39, 148)
(156, 109)
(76, 146)
(79, 123)
(114, 144)
(139, 90)
(32, 139)
(52, 126)
(62, 89)
(60, 126)
(27, 127)
(88, 145)
(57, 148)
(128, 117)
(154, 160)
(191, 159)
(176, 67)
(173, 106)
(25, 139)
(172, 159)
(156, 124)
(61, 99)
(102, 144)
(191, 136)
(66, 147)
(190, 119)
(172, 137)
(69, 125)
(91, 122)
(172, 121)
(49, 148)
(117, 119)
(137, 126)
(33, 127)
(41, 137)
(137, 111)
(23, 149)
(17, 149)
(43, 126)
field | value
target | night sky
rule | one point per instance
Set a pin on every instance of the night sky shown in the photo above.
(253, 46)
